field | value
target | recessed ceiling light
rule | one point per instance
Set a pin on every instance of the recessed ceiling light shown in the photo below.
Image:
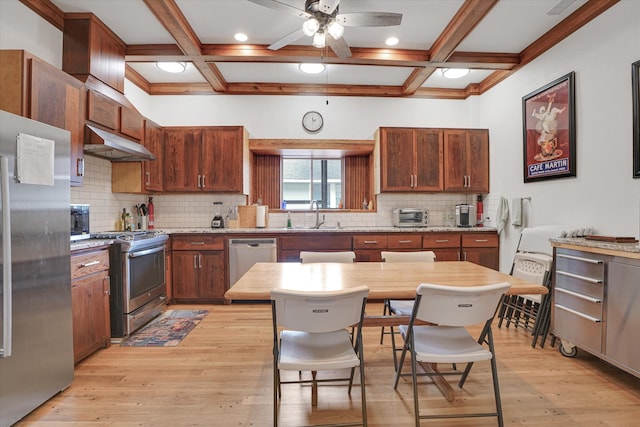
(241, 37)
(392, 41)
(454, 73)
(311, 67)
(172, 67)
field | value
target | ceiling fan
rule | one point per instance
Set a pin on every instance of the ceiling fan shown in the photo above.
(326, 24)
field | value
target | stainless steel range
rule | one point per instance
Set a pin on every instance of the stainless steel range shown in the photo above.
(138, 287)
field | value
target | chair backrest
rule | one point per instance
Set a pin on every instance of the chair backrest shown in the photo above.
(310, 257)
(532, 267)
(420, 256)
(458, 306)
(324, 311)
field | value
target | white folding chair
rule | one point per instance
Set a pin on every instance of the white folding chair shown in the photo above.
(529, 311)
(400, 307)
(309, 334)
(341, 256)
(449, 309)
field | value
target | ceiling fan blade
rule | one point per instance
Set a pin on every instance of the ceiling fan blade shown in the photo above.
(282, 7)
(328, 6)
(289, 38)
(340, 46)
(369, 19)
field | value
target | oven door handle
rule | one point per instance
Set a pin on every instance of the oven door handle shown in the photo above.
(146, 252)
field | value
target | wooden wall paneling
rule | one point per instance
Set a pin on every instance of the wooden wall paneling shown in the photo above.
(266, 180)
(357, 181)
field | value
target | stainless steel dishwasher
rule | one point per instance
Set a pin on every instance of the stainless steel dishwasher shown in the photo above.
(243, 253)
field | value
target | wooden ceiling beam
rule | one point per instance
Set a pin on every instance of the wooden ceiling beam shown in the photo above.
(171, 17)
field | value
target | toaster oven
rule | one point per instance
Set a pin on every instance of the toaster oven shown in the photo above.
(410, 217)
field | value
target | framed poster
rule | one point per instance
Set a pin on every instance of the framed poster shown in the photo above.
(635, 87)
(549, 125)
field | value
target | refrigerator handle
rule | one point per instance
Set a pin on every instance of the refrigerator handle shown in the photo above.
(5, 350)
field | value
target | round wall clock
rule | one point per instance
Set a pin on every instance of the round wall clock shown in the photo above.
(312, 121)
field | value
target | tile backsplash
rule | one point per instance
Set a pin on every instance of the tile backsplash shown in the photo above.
(196, 210)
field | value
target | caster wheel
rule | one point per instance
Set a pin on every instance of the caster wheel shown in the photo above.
(567, 353)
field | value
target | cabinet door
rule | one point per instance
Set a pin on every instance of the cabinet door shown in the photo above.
(221, 159)
(58, 99)
(131, 123)
(211, 283)
(185, 274)
(103, 110)
(623, 316)
(428, 160)
(466, 160)
(486, 257)
(152, 169)
(478, 161)
(90, 308)
(455, 160)
(368, 255)
(181, 159)
(397, 159)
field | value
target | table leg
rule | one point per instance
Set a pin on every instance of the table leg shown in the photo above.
(440, 381)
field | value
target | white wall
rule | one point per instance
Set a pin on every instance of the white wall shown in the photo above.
(603, 194)
(20, 28)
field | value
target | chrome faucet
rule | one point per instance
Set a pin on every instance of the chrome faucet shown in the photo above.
(318, 223)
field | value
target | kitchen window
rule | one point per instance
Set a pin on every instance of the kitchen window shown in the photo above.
(305, 179)
(269, 185)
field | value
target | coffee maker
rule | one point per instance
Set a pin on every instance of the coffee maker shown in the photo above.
(217, 221)
(465, 215)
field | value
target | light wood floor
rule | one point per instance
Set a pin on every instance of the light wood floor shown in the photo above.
(221, 375)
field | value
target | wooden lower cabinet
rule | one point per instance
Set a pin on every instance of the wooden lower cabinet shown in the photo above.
(90, 290)
(482, 249)
(289, 246)
(368, 247)
(198, 267)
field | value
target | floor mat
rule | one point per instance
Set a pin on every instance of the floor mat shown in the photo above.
(168, 330)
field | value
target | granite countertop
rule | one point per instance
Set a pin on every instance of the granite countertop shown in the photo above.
(629, 248)
(89, 244)
(345, 229)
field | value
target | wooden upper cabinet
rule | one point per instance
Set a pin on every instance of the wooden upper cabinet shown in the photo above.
(466, 160)
(131, 123)
(90, 48)
(411, 159)
(32, 88)
(428, 158)
(145, 176)
(205, 159)
(221, 159)
(103, 110)
(181, 159)
(153, 169)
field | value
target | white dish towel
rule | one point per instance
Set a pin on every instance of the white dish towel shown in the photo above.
(502, 214)
(516, 211)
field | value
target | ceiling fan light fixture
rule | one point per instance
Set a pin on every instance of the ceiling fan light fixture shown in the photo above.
(319, 40)
(335, 30)
(310, 26)
(172, 67)
(311, 67)
(454, 73)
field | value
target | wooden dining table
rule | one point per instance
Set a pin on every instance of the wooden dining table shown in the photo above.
(385, 281)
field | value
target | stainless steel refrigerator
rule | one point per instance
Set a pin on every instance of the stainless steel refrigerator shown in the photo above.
(36, 354)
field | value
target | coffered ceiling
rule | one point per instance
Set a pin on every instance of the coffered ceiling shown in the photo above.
(493, 38)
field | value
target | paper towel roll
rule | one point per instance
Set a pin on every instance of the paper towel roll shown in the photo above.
(261, 213)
